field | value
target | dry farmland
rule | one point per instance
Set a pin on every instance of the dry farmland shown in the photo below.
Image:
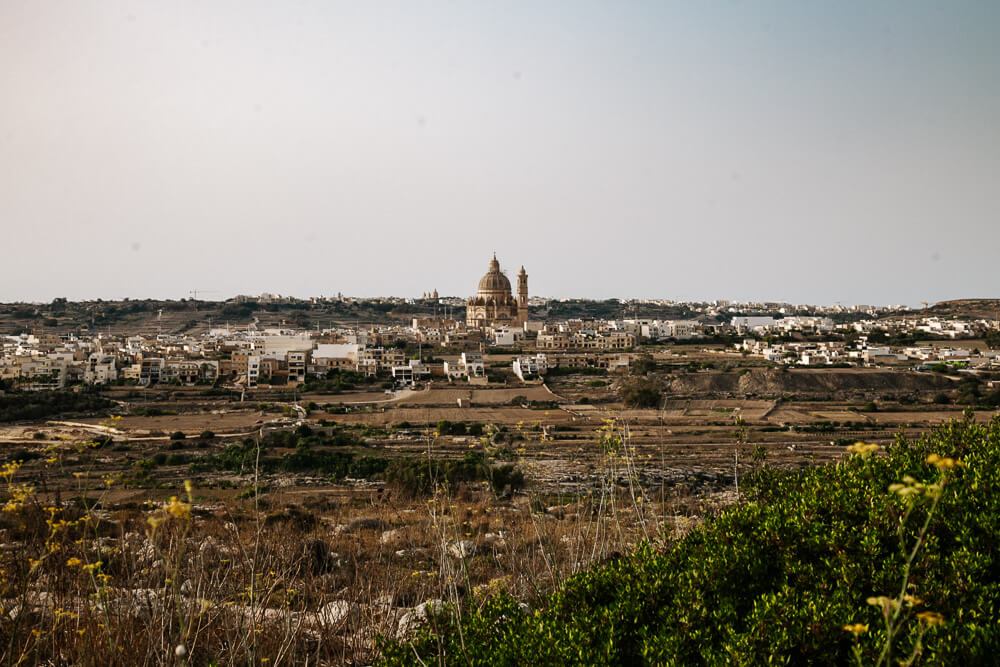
(287, 528)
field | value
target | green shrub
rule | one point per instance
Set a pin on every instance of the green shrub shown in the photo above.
(559, 371)
(144, 411)
(252, 492)
(22, 455)
(640, 392)
(177, 435)
(775, 579)
(37, 405)
(419, 476)
(245, 456)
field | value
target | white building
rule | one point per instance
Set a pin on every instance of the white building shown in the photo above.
(530, 368)
(100, 369)
(754, 323)
(470, 366)
(413, 372)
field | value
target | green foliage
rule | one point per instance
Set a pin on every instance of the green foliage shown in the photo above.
(557, 371)
(336, 464)
(21, 455)
(818, 427)
(243, 457)
(144, 411)
(445, 427)
(775, 579)
(36, 405)
(992, 339)
(177, 435)
(942, 398)
(206, 435)
(642, 365)
(968, 390)
(419, 476)
(252, 492)
(640, 392)
(336, 381)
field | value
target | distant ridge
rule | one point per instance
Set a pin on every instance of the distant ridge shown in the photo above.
(988, 309)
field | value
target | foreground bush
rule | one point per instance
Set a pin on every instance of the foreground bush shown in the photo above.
(783, 578)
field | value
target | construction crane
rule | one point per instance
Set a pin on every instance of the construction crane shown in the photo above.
(195, 292)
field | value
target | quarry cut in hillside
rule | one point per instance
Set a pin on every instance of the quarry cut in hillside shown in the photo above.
(823, 382)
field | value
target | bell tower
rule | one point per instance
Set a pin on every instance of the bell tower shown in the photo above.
(522, 297)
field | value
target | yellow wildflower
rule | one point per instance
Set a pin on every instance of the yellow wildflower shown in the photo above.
(178, 509)
(930, 618)
(74, 562)
(862, 449)
(856, 628)
(9, 469)
(886, 603)
(943, 463)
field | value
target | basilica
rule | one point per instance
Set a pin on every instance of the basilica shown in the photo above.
(494, 305)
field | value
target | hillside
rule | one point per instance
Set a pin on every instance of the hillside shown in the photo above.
(773, 383)
(988, 309)
(190, 316)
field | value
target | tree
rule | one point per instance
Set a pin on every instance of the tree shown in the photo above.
(992, 339)
(58, 306)
(643, 364)
(968, 391)
(641, 392)
(877, 336)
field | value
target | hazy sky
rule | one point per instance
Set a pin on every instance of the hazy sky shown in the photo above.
(803, 151)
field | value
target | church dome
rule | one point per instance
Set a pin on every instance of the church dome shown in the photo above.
(494, 282)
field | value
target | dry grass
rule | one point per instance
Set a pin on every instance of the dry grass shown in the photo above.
(309, 571)
(288, 578)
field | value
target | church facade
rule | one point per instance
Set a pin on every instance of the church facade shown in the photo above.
(494, 304)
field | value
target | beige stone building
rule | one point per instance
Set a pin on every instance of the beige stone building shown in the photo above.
(494, 305)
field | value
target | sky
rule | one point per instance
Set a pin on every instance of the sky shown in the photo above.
(809, 152)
